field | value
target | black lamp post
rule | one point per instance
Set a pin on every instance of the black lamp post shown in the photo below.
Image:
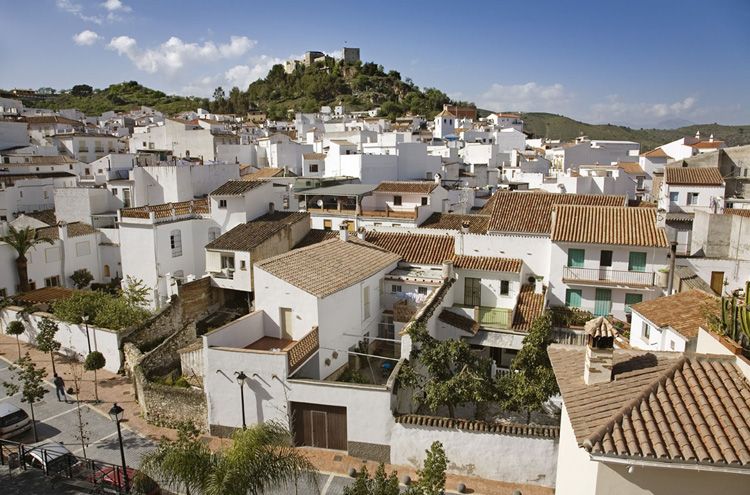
(241, 377)
(85, 319)
(116, 414)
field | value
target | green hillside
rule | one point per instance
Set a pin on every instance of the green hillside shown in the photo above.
(560, 127)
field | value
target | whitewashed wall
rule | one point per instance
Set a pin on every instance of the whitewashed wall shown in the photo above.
(510, 458)
(72, 337)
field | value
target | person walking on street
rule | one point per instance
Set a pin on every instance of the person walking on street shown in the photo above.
(60, 388)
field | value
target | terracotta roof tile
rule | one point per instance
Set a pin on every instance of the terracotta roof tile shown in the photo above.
(699, 176)
(529, 307)
(530, 212)
(737, 211)
(44, 295)
(488, 263)
(608, 225)
(236, 187)
(419, 187)
(452, 221)
(163, 210)
(314, 156)
(315, 236)
(247, 236)
(75, 229)
(415, 248)
(479, 426)
(656, 153)
(684, 311)
(330, 266)
(709, 144)
(631, 168)
(692, 409)
(459, 321)
(46, 216)
(267, 173)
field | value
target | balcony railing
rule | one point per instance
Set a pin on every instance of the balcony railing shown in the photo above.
(388, 213)
(608, 276)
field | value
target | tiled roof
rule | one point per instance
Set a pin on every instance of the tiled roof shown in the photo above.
(530, 212)
(608, 225)
(446, 113)
(709, 144)
(740, 212)
(247, 236)
(236, 187)
(267, 173)
(686, 278)
(163, 210)
(699, 176)
(314, 156)
(690, 409)
(684, 311)
(453, 221)
(75, 229)
(529, 307)
(53, 119)
(44, 295)
(46, 216)
(632, 168)
(488, 263)
(330, 266)
(459, 321)
(46, 160)
(656, 153)
(420, 187)
(415, 248)
(480, 426)
(315, 236)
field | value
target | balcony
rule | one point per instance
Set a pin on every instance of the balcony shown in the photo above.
(495, 317)
(389, 213)
(608, 277)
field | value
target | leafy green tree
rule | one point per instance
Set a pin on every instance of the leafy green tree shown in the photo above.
(531, 381)
(21, 241)
(81, 278)
(94, 362)
(431, 478)
(455, 374)
(82, 90)
(45, 340)
(29, 380)
(16, 328)
(104, 310)
(381, 484)
(135, 292)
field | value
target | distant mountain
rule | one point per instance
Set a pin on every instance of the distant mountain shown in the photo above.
(560, 127)
(673, 124)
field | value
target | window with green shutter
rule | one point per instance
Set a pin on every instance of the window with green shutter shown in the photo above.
(576, 257)
(573, 298)
(631, 299)
(637, 262)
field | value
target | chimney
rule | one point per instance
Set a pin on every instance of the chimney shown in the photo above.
(672, 259)
(62, 228)
(711, 138)
(361, 233)
(465, 227)
(538, 285)
(447, 269)
(343, 232)
(271, 207)
(697, 134)
(600, 339)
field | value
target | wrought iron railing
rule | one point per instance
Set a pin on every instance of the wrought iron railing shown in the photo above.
(609, 276)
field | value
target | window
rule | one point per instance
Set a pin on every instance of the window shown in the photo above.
(397, 201)
(223, 203)
(175, 243)
(327, 224)
(366, 302)
(87, 171)
(83, 248)
(243, 265)
(46, 194)
(605, 259)
(3, 293)
(472, 292)
(673, 197)
(573, 298)
(227, 262)
(422, 290)
(504, 287)
(631, 299)
(313, 168)
(106, 271)
(52, 281)
(395, 288)
(51, 255)
(645, 331)
(671, 345)
(637, 262)
(424, 201)
(126, 196)
(576, 257)
(114, 191)
(692, 198)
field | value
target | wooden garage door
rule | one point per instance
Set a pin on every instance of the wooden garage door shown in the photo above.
(320, 426)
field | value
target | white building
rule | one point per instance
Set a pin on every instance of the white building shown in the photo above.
(445, 125)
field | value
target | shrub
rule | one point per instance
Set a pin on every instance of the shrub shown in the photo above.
(104, 310)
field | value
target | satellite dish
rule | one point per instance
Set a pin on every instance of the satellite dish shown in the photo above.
(320, 203)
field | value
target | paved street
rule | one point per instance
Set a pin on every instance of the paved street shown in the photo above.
(58, 422)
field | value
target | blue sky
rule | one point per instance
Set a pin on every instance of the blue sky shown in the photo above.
(637, 62)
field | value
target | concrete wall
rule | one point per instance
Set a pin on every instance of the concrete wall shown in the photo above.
(479, 454)
(576, 472)
(533, 250)
(721, 236)
(72, 338)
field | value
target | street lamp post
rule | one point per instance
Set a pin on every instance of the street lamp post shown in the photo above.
(116, 414)
(85, 319)
(241, 377)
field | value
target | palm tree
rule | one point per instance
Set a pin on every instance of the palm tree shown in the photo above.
(22, 240)
(260, 457)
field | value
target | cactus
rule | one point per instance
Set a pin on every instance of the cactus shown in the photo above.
(735, 314)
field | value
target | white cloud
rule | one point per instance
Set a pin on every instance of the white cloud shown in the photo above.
(86, 38)
(76, 9)
(614, 109)
(174, 54)
(530, 96)
(116, 5)
(242, 75)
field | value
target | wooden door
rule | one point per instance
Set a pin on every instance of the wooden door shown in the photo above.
(286, 323)
(472, 292)
(316, 425)
(717, 282)
(319, 425)
(603, 302)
